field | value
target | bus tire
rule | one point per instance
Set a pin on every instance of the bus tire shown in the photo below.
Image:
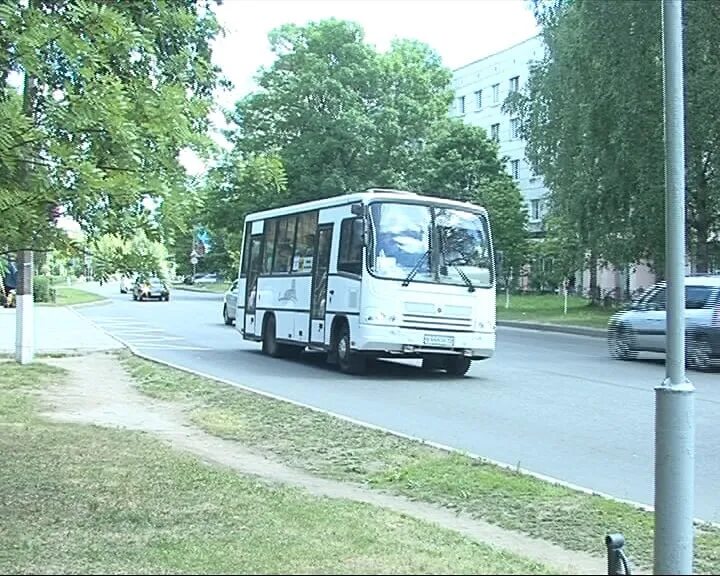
(270, 344)
(457, 365)
(349, 362)
(432, 362)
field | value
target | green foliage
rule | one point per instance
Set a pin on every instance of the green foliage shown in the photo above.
(460, 162)
(334, 116)
(236, 187)
(42, 290)
(112, 254)
(114, 90)
(593, 117)
(341, 116)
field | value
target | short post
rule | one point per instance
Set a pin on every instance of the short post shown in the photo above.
(617, 562)
(24, 321)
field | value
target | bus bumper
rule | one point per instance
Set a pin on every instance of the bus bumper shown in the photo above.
(397, 341)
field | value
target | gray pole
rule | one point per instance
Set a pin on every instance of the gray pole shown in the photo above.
(24, 318)
(24, 321)
(674, 400)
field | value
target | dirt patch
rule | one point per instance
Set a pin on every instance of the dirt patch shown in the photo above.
(99, 391)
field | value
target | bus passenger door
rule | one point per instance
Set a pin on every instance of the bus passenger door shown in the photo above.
(320, 270)
(250, 294)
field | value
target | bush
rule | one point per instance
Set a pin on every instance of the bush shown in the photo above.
(42, 290)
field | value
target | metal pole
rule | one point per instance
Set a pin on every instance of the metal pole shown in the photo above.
(674, 400)
(24, 318)
(24, 321)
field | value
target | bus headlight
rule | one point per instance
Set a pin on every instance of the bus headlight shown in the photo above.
(378, 316)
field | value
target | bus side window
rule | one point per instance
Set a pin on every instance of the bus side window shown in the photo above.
(350, 253)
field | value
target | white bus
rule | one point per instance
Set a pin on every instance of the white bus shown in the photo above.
(375, 274)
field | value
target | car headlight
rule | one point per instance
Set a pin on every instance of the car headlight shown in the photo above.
(379, 316)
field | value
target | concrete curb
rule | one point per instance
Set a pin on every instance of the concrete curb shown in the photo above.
(559, 328)
(198, 290)
(103, 302)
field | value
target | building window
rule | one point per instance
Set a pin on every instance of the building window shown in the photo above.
(495, 132)
(461, 105)
(515, 169)
(534, 209)
(496, 93)
(514, 83)
(478, 100)
(515, 128)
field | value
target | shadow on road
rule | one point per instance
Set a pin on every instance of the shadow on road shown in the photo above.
(310, 362)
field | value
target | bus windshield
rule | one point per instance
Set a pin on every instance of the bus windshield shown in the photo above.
(429, 243)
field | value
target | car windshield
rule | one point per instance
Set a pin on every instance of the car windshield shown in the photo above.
(415, 242)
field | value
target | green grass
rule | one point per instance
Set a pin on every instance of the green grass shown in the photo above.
(549, 309)
(334, 448)
(83, 499)
(67, 296)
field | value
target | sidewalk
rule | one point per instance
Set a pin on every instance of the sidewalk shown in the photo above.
(56, 329)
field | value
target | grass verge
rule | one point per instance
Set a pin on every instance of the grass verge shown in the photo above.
(549, 309)
(337, 449)
(66, 296)
(83, 499)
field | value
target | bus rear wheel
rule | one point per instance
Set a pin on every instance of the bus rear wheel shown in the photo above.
(349, 362)
(270, 344)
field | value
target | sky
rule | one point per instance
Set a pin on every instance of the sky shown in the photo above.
(460, 31)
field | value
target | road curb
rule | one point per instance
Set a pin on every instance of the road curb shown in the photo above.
(574, 330)
(104, 302)
(449, 449)
(198, 290)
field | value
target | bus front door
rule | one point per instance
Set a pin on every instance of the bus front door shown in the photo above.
(320, 270)
(250, 292)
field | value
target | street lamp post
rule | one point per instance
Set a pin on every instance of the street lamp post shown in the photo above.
(674, 398)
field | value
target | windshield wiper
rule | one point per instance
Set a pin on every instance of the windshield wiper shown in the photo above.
(415, 269)
(462, 274)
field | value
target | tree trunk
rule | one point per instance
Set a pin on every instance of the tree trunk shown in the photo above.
(702, 252)
(594, 294)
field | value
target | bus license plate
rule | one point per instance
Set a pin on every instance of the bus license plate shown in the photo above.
(435, 340)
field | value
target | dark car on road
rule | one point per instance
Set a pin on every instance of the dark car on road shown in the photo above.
(642, 326)
(150, 287)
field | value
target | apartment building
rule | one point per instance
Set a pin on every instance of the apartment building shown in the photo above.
(480, 89)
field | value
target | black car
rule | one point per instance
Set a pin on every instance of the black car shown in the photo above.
(150, 287)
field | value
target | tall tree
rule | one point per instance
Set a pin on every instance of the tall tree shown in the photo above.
(461, 163)
(235, 188)
(593, 117)
(113, 91)
(340, 115)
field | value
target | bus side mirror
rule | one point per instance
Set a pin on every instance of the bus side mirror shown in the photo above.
(357, 209)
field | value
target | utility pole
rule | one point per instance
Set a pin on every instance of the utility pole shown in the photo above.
(674, 398)
(24, 318)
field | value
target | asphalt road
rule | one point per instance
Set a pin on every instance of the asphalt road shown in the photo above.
(552, 403)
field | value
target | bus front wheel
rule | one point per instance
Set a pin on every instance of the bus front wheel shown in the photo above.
(350, 362)
(457, 365)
